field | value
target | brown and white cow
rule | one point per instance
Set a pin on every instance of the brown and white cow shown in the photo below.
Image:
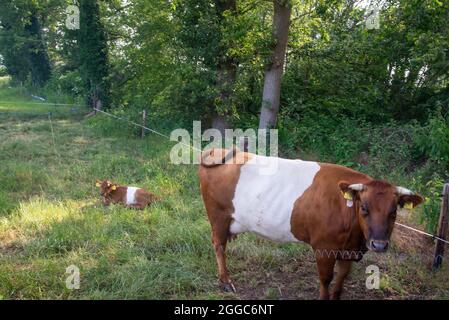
(131, 197)
(340, 212)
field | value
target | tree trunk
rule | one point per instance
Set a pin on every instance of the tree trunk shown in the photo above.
(220, 123)
(92, 53)
(225, 80)
(40, 67)
(226, 73)
(273, 72)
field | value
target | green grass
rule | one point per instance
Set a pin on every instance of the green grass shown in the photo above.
(51, 218)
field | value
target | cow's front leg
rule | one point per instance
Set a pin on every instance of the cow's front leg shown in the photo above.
(343, 269)
(325, 267)
(106, 201)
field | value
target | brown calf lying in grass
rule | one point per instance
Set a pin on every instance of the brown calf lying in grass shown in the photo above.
(131, 197)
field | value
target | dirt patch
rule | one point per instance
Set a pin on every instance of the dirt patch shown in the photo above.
(298, 278)
(410, 241)
(9, 243)
(295, 280)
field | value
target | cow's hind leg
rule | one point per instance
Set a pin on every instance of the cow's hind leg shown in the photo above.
(220, 236)
(325, 267)
(343, 269)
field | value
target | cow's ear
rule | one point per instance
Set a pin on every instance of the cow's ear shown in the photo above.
(350, 191)
(345, 191)
(98, 183)
(113, 187)
(409, 201)
(344, 186)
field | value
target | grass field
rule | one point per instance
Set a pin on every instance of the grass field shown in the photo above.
(51, 218)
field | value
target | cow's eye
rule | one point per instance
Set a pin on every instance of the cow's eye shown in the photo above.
(365, 210)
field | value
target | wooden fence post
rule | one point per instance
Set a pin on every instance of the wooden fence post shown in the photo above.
(442, 228)
(144, 123)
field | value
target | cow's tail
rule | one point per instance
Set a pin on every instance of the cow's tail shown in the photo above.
(207, 164)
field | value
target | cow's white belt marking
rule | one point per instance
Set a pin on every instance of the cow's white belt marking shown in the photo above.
(131, 195)
(264, 203)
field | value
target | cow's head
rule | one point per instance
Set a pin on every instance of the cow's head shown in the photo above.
(376, 203)
(106, 187)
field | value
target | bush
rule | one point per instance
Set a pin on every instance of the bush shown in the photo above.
(431, 208)
(3, 71)
(433, 142)
(411, 154)
(64, 88)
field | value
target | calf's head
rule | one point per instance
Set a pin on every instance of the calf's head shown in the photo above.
(106, 187)
(376, 203)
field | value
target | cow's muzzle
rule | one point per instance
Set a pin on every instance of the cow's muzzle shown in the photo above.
(378, 245)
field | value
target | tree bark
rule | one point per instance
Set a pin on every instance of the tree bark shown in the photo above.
(226, 73)
(273, 72)
(226, 76)
(40, 67)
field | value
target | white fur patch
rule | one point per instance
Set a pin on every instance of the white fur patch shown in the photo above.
(264, 203)
(131, 195)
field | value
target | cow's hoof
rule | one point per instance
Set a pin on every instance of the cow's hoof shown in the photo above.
(228, 287)
(335, 296)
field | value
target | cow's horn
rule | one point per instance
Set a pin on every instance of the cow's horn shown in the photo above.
(404, 191)
(357, 187)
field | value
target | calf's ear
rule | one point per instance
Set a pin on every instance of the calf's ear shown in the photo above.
(98, 183)
(409, 201)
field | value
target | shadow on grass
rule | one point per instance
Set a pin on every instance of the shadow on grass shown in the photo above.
(121, 252)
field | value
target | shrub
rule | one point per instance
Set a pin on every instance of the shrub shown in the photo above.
(433, 141)
(411, 154)
(64, 88)
(431, 208)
